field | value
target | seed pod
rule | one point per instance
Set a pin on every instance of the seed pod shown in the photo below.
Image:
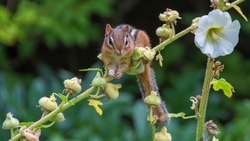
(112, 90)
(152, 99)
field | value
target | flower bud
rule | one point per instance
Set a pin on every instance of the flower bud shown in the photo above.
(98, 81)
(48, 103)
(163, 135)
(58, 118)
(164, 32)
(10, 122)
(112, 90)
(152, 99)
(99, 56)
(149, 54)
(163, 17)
(173, 15)
(73, 84)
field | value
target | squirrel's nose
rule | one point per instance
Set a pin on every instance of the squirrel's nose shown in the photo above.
(119, 52)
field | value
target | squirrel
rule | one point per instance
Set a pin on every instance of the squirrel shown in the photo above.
(117, 51)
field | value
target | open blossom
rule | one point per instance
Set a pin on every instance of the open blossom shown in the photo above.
(217, 35)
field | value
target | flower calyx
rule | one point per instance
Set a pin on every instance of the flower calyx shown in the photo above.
(48, 104)
(10, 122)
(163, 135)
(98, 81)
(169, 16)
(152, 99)
(111, 90)
(72, 86)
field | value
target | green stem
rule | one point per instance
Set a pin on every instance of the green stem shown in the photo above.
(237, 2)
(170, 40)
(204, 99)
(12, 133)
(58, 110)
(152, 123)
(48, 125)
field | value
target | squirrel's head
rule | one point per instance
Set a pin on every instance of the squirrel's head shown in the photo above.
(118, 40)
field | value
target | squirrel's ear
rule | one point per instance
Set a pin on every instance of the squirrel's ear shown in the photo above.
(108, 29)
(125, 29)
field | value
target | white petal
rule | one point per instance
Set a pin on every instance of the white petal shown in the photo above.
(200, 37)
(219, 18)
(208, 49)
(231, 33)
(203, 23)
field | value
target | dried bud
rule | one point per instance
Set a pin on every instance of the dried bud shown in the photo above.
(152, 99)
(48, 103)
(10, 122)
(211, 128)
(112, 90)
(195, 24)
(72, 85)
(163, 135)
(29, 134)
(98, 81)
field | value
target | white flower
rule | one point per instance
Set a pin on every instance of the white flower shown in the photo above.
(217, 35)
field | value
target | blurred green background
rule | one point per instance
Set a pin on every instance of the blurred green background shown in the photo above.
(43, 42)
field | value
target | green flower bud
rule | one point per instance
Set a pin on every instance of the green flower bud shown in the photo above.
(152, 99)
(73, 84)
(58, 118)
(112, 90)
(163, 17)
(98, 81)
(164, 31)
(163, 135)
(10, 122)
(48, 103)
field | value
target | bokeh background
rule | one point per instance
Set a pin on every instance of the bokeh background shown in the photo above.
(43, 42)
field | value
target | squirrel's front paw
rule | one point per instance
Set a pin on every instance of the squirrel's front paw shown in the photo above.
(118, 74)
(112, 73)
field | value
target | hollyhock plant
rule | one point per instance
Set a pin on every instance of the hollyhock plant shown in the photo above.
(217, 35)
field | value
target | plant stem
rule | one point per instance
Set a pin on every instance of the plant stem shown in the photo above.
(204, 99)
(58, 110)
(152, 123)
(12, 133)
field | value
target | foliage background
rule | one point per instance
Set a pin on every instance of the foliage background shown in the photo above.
(43, 42)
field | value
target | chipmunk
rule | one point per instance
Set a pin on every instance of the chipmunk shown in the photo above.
(117, 51)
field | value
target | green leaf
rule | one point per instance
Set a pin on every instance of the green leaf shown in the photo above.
(62, 97)
(27, 124)
(172, 115)
(224, 85)
(91, 69)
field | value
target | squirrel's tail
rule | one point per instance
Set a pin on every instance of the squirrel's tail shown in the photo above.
(147, 83)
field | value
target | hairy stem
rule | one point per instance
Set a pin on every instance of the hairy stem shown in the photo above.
(152, 121)
(204, 99)
(58, 110)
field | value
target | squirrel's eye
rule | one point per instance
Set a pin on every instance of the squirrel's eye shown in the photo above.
(126, 42)
(110, 41)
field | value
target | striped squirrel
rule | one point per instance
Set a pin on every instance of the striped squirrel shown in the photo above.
(117, 51)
